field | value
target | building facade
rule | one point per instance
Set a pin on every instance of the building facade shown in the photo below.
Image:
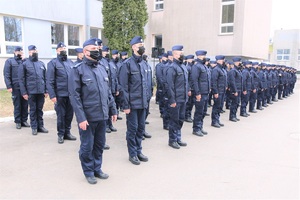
(44, 23)
(286, 48)
(228, 27)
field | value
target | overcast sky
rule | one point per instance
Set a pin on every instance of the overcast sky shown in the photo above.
(285, 15)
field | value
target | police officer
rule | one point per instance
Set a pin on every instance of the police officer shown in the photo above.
(92, 101)
(246, 88)
(274, 83)
(104, 62)
(166, 105)
(32, 80)
(201, 82)
(134, 99)
(218, 88)
(254, 87)
(235, 86)
(58, 70)
(124, 56)
(10, 73)
(159, 80)
(191, 100)
(79, 53)
(177, 80)
(148, 72)
(227, 94)
(114, 73)
(261, 87)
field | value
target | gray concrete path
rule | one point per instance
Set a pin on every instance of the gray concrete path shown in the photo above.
(256, 158)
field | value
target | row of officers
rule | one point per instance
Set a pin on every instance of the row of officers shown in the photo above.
(184, 82)
(96, 87)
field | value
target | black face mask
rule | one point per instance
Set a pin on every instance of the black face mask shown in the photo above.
(35, 56)
(107, 56)
(193, 62)
(116, 59)
(96, 55)
(19, 56)
(181, 57)
(141, 51)
(185, 62)
(63, 55)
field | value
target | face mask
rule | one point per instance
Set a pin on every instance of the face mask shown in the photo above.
(63, 55)
(107, 56)
(193, 62)
(185, 62)
(35, 56)
(181, 57)
(116, 59)
(19, 56)
(141, 51)
(96, 55)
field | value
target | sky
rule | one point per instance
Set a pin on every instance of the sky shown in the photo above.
(285, 15)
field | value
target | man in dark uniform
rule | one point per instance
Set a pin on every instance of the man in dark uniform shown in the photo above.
(269, 85)
(235, 85)
(191, 101)
(79, 54)
(218, 88)
(262, 85)
(92, 101)
(58, 70)
(32, 80)
(254, 87)
(124, 56)
(104, 62)
(133, 84)
(114, 72)
(200, 77)
(227, 94)
(159, 81)
(177, 80)
(166, 106)
(148, 72)
(246, 88)
(10, 73)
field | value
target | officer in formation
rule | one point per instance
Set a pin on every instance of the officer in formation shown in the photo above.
(201, 82)
(32, 80)
(11, 79)
(112, 76)
(133, 83)
(219, 85)
(191, 101)
(92, 101)
(177, 90)
(79, 53)
(58, 70)
(247, 85)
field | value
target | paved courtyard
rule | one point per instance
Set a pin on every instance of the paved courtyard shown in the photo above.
(256, 158)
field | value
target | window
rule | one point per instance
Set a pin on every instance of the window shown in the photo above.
(11, 34)
(227, 16)
(94, 33)
(159, 4)
(57, 33)
(69, 34)
(158, 41)
(283, 54)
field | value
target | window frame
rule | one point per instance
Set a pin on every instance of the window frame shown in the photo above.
(224, 3)
(283, 55)
(66, 40)
(3, 42)
(158, 2)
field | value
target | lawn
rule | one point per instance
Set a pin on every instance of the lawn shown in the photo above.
(6, 105)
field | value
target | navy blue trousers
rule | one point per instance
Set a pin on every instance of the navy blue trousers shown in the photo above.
(252, 100)
(20, 106)
(177, 115)
(244, 102)
(199, 112)
(235, 101)
(216, 109)
(91, 147)
(135, 121)
(64, 112)
(36, 104)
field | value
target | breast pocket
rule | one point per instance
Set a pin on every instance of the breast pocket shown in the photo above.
(135, 76)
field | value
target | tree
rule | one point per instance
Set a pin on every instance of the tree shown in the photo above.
(122, 20)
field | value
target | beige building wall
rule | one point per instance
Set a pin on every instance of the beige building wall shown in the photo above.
(196, 25)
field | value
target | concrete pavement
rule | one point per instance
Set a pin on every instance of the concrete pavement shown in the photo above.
(256, 158)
